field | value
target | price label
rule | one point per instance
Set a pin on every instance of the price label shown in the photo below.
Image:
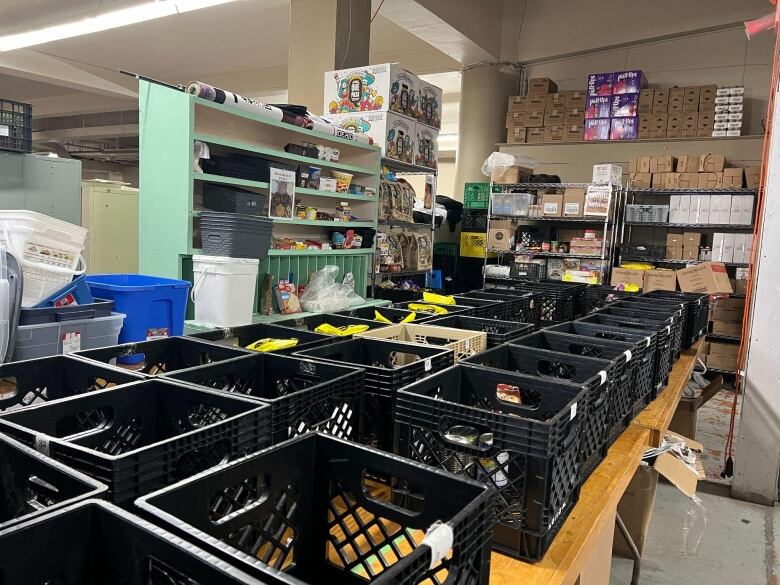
(428, 365)
(71, 342)
(42, 444)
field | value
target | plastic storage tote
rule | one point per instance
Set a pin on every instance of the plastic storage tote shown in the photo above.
(303, 394)
(154, 306)
(463, 343)
(224, 290)
(95, 543)
(75, 292)
(141, 436)
(34, 381)
(46, 339)
(50, 314)
(32, 485)
(321, 499)
(164, 355)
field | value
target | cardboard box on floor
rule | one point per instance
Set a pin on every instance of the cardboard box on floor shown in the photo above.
(684, 419)
(707, 277)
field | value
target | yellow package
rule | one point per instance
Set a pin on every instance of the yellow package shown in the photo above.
(409, 318)
(380, 317)
(430, 297)
(268, 344)
(428, 308)
(344, 331)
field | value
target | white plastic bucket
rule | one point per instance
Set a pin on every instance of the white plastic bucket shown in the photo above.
(49, 251)
(224, 290)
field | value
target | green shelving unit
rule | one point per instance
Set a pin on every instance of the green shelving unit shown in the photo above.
(170, 190)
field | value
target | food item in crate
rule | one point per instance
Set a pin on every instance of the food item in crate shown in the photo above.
(509, 393)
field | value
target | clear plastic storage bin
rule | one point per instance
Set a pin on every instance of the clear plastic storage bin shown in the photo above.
(45, 339)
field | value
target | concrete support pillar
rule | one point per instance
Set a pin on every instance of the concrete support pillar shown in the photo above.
(481, 121)
(324, 35)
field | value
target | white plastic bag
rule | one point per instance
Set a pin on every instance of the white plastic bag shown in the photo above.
(324, 295)
(502, 160)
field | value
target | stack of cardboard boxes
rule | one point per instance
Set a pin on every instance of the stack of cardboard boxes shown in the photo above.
(736, 248)
(725, 320)
(397, 109)
(729, 111)
(545, 115)
(677, 112)
(689, 171)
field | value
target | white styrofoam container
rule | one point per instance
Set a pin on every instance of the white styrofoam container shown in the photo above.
(223, 290)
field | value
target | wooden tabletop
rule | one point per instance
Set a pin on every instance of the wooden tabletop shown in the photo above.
(574, 544)
(658, 414)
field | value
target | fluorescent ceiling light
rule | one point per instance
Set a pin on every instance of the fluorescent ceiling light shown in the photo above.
(105, 21)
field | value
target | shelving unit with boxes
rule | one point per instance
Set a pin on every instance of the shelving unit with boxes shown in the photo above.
(172, 190)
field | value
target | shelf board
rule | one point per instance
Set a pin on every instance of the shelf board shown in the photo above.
(675, 261)
(724, 337)
(403, 224)
(402, 273)
(701, 226)
(403, 168)
(309, 134)
(586, 220)
(208, 178)
(325, 223)
(349, 252)
(319, 193)
(694, 191)
(628, 142)
(551, 254)
(538, 186)
(719, 371)
(282, 155)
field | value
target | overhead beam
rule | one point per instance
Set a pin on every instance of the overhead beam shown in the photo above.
(87, 133)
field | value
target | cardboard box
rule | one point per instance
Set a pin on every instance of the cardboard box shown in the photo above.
(624, 129)
(707, 277)
(573, 202)
(723, 348)
(502, 234)
(658, 180)
(689, 180)
(675, 240)
(727, 328)
(573, 132)
(627, 276)
(674, 125)
(646, 101)
(552, 205)
(429, 109)
(395, 134)
(692, 239)
(640, 180)
(376, 88)
(576, 99)
(740, 252)
(515, 120)
(674, 209)
(717, 247)
(727, 253)
(555, 101)
(741, 210)
(536, 103)
(706, 120)
(596, 129)
(661, 100)
(598, 107)
(426, 147)
(707, 94)
(534, 119)
(662, 164)
(643, 164)
(685, 208)
(688, 163)
(541, 86)
(554, 117)
(628, 82)
(509, 175)
(671, 180)
(684, 419)
(607, 174)
(636, 511)
(720, 209)
(517, 103)
(690, 253)
(554, 268)
(712, 163)
(699, 211)
(624, 105)
(659, 280)
(534, 135)
(553, 134)
(752, 177)
(676, 100)
(574, 116)
(725, 363)
(515, 135)
(600, 84)
(710, 180)
(733, 178)
(689, 125)
(646, 126)
(674, 252)
(691, 99)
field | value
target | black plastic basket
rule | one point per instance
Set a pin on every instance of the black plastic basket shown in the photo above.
(32, 485)
(454, 420)
(36, 316)
(530, 270)
(234, 200)
(598, 296)
(698, 312)
(96, 543)
(657, 316)
(396, 295)
(312, 510)
(451, 309)
(474, 221)
(235, 235)
(600, 376)
(303, 394)
(391, 313)
(498, 332)
(15, 126)
(311, 322)
(389, 365)
(241, 166)
(166, 354)
(486, 308)
(141, 436)
(558, 301)
(663, 306)
(247, 334)
(523, 307)
(35, 381)
(649, 251)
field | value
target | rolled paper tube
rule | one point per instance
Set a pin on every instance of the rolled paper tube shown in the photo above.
(233, 100)
(334, 130)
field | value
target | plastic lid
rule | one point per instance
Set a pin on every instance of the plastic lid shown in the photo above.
(132, 282)
(224, 259)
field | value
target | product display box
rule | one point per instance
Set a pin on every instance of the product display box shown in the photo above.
(624, 105)
(429, 102)
(598, 107)
(596, 129)
(552, 205)
(646, 101)
(661, 100)
(386, 87)
(720, 209)
(607, 174)
(573, 202)
(624, 82)
(395, 134)
(426, 147)
(699, 211)
(624, 129)
(659, 280)
(741, 210)
(707, 277)
(600, 84)
(573, 132)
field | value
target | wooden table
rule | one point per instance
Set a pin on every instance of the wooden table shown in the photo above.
(658, 414)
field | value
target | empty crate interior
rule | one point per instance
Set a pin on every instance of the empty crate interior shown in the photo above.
(246, 335)
(581, 345)
(393, 315)
(311, 322)
(598, 330)
(375, 353)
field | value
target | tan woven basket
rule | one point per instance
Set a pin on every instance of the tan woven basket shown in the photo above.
(464, 343)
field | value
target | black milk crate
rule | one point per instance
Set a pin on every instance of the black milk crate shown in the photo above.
(32, 485)
(141, 436)
(303, 394)
(662, 338)
(498, 332)
(598, 296)
(234, 200)
(314, 510)
(486, 308)
(40, 380)
(643, 352)
(166, 354)
(657, 317)
(530, 270)
(15, 126)
(96, 543)
(388, 365)
(698, 311)
(245, 335)
(396, 295)
(449, 309)
(474, 221)
(559, 301)
(391, 313)
(649, 251)
(311, 322)
(529, 452)
(600, 376)
(520, 306)
(663, 307)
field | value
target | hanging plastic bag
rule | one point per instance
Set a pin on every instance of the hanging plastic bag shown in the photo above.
(503, 161)
(324, 295)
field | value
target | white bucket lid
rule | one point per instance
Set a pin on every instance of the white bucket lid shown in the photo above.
(224, 260)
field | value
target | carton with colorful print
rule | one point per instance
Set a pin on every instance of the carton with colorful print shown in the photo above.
(376, 88)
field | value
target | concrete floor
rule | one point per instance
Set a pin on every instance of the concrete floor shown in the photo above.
(737, 546)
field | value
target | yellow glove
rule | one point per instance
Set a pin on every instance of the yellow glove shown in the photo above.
(380, 317)
(631, 288)
(409, 318)
(344, 331)
(430, 297)
(428, 308)
(268, 344)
